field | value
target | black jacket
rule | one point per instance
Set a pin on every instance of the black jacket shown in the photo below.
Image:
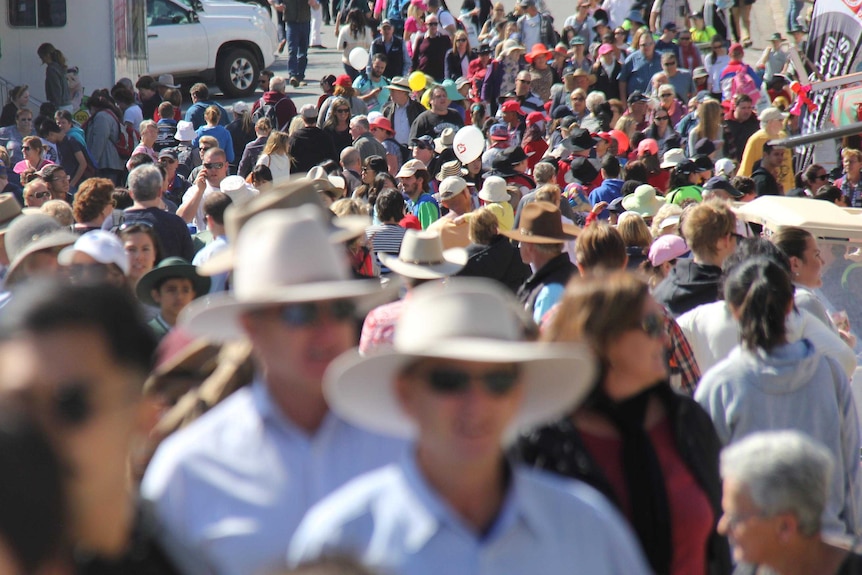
(735, 134)
(558, 448)
(610, 85)
(396, 56)
(250, 155)
(687, 286)
(309, 146)
(556, 271)
(499, 260)
(414, 108)
(765, 183)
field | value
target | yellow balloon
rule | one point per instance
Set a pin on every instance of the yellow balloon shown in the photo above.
(417, 81)
(425, 100)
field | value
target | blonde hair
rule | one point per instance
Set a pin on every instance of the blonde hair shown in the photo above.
(212, 114)
(483, 226)
(60, 211)
(460, 34)
(661, 215)
(147, 124)
(709, 124)
(277, 143)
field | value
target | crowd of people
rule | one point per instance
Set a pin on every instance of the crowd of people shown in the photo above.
(485, 307)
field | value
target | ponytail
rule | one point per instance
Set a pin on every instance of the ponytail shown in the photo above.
(761, 293)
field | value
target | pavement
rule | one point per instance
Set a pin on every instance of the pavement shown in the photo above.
(767, 17)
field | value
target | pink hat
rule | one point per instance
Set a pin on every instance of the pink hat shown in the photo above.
(666, 248)
(648, 146)
(605, 48)
(383, 123)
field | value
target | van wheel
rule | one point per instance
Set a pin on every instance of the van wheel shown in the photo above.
(237, 73)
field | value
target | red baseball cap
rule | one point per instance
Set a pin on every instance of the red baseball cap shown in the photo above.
(648, 145)
(344, 81)
(534, 117)
(513, 106)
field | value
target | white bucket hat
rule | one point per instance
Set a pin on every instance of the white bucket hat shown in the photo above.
(494, 190)
(422, 257)
(672, 157)
(238, 189)
(281, 256)
(469, 319)
(185, 131)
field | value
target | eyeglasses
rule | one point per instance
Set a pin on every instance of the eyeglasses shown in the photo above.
(653, 325)
(670, 63)
(97, 272)
(309, 313)
(461, 40)
(42, 195)
(433, 23)
(203, 150)
(25, 148)
(621, 33)
(451, 381)
(214, 165)
(142, 223)
(25, 119)
(168, 160)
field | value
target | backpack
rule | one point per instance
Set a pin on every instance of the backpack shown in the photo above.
(268, 111)
(740, 83)
(128, 138)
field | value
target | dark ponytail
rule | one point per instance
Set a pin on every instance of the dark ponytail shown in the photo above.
(761, 293)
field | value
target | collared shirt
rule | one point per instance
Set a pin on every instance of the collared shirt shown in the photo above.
(218, 245)
(401, 125)
(393, 521)
(638, 71)
(236, 483)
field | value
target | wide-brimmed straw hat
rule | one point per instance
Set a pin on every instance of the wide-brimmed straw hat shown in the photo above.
(469, 319)
(281, 256)
(422, 257)
(494, 190)
(542, 223)
(31, 233)
(450, 168)
(293, 194)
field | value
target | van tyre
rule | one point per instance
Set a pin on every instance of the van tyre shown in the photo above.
(237, 73)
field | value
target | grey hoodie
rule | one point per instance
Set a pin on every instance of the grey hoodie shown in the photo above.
(792, 387)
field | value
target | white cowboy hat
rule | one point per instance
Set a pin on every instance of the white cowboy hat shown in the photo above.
(494, 190)
(422, 257)
(281, 256)
(469, 319)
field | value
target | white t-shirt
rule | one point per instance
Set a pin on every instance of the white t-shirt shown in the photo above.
(134, 115)
(531, 30)
(446, 19)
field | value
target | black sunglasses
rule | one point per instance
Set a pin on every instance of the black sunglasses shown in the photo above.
(451, 381)
(214, 165)
(305, 314)
(25, 148)
(822, 177)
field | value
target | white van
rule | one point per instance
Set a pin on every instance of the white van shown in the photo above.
(221, 40)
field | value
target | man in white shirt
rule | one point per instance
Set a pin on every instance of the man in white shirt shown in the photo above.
(236, 483)
(447, 21)
(208, 180)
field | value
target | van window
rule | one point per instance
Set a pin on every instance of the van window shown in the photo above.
(164, 12)
(37, 13)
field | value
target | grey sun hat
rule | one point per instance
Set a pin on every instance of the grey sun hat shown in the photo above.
(33, 233)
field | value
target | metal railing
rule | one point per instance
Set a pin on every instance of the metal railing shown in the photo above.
(6, 86)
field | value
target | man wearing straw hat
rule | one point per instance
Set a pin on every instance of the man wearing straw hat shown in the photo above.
(541, 235)
(236, 483)
(421, 259)
(453, 227)
(460, 382)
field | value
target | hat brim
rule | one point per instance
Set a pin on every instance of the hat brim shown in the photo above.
(570, 232)
(147, 283)
(643, 210)
(399, 88)
(489, 198)
(216, 317)
(57, 239)
(454, 261)
(555, 377)
(668, 165)
(343, 229)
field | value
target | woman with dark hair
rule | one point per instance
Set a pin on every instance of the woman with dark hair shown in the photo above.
(56, 86)
(34, 156)
(651, 451)
(102, 132)
(337, 126)
(831, 193)
(815, 177)
(143, 247)
(19, 98)
(261, 178)
(354, 35)
(769, 383)
(661, 130)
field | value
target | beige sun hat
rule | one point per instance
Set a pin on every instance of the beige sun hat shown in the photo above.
(494, 190)
(510, 46)
(469, 319)
(291, 194)
(450, 168)
(9, 210)
(422, 257)
(672, 157)
(281, 256)
(31, 233)
(445, 140)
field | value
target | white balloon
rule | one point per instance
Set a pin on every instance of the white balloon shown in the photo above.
(358, 58)
(469, 143)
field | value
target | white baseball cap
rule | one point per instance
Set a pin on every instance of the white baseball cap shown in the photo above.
(102, 246)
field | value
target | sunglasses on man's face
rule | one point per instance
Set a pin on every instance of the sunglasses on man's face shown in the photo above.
(310, 313)
(214, 165)
(452, 381)
(42, 195)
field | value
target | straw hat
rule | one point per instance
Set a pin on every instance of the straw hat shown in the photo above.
(422, 257)
(510, 46)
(542, 223)
(293, 194)
(450, 168)
(281, 256)
(494, 190)
(469, 319)
(672, 157)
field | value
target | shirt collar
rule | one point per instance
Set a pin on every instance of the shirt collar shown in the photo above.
(270, 413)
(432, 514)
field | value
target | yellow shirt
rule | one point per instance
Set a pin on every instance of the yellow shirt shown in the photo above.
(754, 151)
(505, 214)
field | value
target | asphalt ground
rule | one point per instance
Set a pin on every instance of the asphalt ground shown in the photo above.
(767, 17)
